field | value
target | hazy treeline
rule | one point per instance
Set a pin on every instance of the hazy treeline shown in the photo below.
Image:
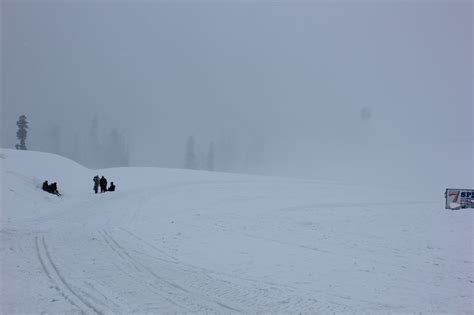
(96, 146)
(93, 146)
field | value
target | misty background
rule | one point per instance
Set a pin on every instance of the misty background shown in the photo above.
(360, 91)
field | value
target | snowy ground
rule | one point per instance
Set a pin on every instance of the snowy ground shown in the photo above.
(183, 241)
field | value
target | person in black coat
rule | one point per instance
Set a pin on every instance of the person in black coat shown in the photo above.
(96, 183)
(103, 184)
(53, 188)
(46, 186)
(112, 187)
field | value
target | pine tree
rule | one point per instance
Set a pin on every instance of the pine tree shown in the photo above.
(94, 151)
(22, 132)
(190, 161)
(227, 151)
(116, 152)
(55, 138)
(255, 153)
(210, 157)
(75, 148)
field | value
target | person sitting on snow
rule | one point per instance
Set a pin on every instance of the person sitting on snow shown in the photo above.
(46, 186)
(112, 187)
(53, 188)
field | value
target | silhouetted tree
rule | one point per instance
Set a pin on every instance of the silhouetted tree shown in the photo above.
(75, 148)
(255, 153)
(226, 150)
(190, 160)
(116, 153)
(22, 132)
(94, 158)
(55, 139)
(210, 157)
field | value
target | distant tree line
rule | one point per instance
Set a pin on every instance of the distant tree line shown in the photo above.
(96, 148)
(111, 152)
(224, 156)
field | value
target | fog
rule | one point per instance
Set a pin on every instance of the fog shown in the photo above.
(359, 91)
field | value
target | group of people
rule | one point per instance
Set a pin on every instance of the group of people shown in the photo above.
(98, 182)
(102, 183)
(52, 189)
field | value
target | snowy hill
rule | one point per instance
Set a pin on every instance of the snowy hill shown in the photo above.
(192, 241)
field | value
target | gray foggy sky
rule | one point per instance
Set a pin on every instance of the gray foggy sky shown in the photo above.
(294, 75)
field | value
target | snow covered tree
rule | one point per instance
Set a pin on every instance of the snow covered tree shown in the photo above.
(255, 153)
(94, 151)
(190, 161)
(55, 139)
(227, 151)
(22, 132)
(116, 153)
(210, 157)
(75, 148)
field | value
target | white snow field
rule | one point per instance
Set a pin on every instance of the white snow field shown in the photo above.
(176, 241)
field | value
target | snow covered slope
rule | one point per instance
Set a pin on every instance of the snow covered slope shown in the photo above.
(192, 241)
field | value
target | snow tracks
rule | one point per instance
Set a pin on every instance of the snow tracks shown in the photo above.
(60, 283)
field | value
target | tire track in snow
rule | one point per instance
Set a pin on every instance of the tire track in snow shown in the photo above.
(53, 273)
(204, 271)
(137, 264)
(196, 298)
(56, 286)
(262, 295)
(118, 252)
(152, 288)
(139, 278)
(141, 240)
(196, 271)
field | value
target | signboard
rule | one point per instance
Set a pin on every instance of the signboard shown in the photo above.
(459, 198)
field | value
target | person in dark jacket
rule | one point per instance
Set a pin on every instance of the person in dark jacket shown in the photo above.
(96, 183)
(103, 184)
(46, 186)
(112, 187)
(53, 188)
